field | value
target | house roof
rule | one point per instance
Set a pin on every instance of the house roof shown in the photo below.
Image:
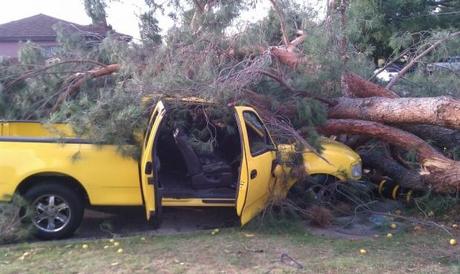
(40, 28)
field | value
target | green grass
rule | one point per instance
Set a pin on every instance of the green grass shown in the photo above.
(236, 251)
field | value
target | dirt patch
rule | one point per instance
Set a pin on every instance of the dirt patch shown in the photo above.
(367, 224)
(124, 221)
(127, 221)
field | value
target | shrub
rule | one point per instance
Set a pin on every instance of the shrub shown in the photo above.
(13, 226)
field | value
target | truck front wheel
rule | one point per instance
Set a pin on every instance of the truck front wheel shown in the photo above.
(56, 211)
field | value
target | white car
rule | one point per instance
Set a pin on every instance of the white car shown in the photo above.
(387, 74)
(449, 63)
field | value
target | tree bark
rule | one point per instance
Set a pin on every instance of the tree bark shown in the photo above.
(440, 136)
(380, 131)
(442, 172)
(356, 87)
(443, 111)
(405, 177)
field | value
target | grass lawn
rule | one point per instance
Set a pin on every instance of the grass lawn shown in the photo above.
(237, 251)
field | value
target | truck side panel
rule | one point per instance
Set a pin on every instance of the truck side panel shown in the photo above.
(35, 129)
(107, 177)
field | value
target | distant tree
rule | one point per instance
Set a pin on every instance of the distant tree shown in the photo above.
(379, 24)
(96, 10)
(148, 24)
(149, 29)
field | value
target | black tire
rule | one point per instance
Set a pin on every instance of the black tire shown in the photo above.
(65, 203)
(312, 190)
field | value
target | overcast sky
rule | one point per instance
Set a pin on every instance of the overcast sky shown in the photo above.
(122, 14)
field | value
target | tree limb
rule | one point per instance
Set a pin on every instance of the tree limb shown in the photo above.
(282, 22)
(355, 86)
(443, 111)
(418, 57)
(79, 79)
(32, 73)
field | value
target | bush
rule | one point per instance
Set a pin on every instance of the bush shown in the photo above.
(13, 226)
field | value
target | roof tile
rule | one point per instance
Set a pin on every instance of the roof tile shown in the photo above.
(40, 28)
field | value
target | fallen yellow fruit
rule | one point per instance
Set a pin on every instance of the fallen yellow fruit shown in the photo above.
(362, 251)
(453, 242)
(106, 246)
(393, 226)
(455, 226)
(215, 231)
(111, 240)
(116, 243)
(120, 250)
(85, 246)
(389, 235)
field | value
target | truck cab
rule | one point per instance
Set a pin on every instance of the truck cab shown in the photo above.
(231, 166)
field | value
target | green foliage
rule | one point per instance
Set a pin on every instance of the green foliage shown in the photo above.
(310, 114)
(422, 83)
(30, 54)
(12, 221)
(149, 29)
(96, 10)
(436, 205)
(116, 118)
(434, 81)
(377, 24)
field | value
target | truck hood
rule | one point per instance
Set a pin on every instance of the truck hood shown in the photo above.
(335, 159)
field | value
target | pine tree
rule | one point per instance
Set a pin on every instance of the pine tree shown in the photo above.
(96, 11)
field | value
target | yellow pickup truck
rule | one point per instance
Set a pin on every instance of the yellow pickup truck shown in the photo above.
(236, 166)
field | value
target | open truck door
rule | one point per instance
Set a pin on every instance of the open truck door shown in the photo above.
(258, 157)
(148, 174)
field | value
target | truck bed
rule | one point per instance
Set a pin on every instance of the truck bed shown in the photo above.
(29, 149)
(34, 129)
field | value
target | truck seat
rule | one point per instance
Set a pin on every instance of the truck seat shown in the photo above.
(204, 172)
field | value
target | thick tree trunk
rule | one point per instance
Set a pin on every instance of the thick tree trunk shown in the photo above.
(355, 86)
(440, 136)
(385, 133)
(442, 172)
(442, 111)
(405, 177)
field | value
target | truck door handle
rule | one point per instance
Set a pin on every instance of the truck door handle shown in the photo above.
(148, 168)
(253, 174)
